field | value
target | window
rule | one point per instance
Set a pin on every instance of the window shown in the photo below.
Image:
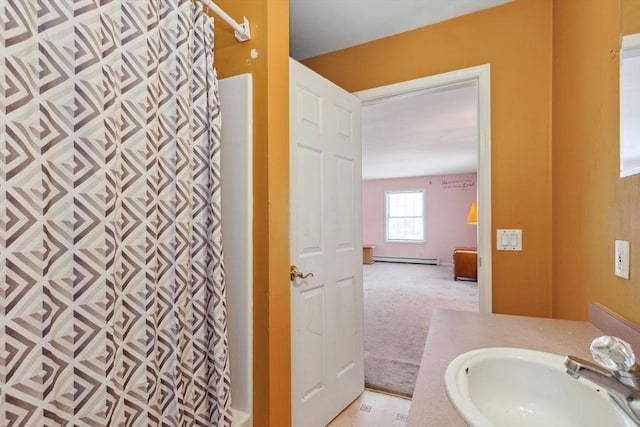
(404, 216)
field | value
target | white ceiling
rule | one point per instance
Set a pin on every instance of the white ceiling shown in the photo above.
(424, 134)
(321, 26)
(434, 133)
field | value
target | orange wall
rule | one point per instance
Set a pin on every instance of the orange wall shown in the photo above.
(269, 21)
(630, 16)
(591, 206)
(516, 40)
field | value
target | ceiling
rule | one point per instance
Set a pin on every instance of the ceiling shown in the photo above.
(322, 26)
(433, 133)
(428, 133)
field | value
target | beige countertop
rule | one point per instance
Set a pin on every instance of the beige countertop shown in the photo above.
(455, 332)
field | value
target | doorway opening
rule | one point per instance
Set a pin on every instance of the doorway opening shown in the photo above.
(450, 192)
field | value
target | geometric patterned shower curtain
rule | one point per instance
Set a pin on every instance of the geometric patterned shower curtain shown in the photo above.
(112, 302)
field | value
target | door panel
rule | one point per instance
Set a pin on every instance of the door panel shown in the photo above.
(348, 331)
(310, 177)
(345, 232)
(313, 375)
(326, 240)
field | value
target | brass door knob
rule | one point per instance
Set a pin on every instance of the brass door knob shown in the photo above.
(295, 274)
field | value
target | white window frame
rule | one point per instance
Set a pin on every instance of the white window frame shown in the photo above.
(424, 217)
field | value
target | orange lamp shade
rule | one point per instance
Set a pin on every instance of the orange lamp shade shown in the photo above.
(472, 217)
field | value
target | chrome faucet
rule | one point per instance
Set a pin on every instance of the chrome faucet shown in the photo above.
(619, 374)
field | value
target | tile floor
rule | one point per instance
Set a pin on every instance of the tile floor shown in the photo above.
(373, 409)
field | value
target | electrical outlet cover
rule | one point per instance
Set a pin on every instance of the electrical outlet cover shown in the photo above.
(622, 259)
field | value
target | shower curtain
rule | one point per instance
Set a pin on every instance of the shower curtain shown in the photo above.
(112, 286)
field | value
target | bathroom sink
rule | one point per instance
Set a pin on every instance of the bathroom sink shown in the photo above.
(519, 387)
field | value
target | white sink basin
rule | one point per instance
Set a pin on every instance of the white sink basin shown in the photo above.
(519, 387)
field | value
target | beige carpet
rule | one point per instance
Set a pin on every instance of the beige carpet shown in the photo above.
(398, 302)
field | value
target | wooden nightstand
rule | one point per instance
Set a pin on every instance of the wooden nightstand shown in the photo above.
(465, 264)
(367, 254)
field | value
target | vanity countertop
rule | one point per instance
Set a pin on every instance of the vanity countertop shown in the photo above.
(455, 332)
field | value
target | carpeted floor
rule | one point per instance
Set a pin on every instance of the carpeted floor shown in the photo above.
(398, 302)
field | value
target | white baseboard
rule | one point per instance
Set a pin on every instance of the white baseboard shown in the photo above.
(430, 261)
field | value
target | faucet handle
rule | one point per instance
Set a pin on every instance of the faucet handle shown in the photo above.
(613, 353)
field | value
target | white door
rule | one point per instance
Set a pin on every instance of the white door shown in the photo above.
(326, 241)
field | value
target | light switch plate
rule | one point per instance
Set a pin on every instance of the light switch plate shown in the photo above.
(622, 259)
(509, 239)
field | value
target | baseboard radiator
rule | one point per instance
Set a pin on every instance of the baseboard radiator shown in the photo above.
(430, 261)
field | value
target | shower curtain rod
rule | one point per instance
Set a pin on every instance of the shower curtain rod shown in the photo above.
(241, 30)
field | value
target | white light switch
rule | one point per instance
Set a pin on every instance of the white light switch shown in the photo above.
(509, 239)
(622, 259)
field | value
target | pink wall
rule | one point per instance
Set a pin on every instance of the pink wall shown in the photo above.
(448, 199)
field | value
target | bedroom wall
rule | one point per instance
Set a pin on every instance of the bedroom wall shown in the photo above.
(448, 199)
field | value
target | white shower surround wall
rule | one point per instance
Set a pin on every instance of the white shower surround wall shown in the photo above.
(237, 232)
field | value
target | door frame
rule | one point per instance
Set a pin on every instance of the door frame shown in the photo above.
(481, 74)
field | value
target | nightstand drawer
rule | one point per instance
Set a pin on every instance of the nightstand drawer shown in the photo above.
(465, 264)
